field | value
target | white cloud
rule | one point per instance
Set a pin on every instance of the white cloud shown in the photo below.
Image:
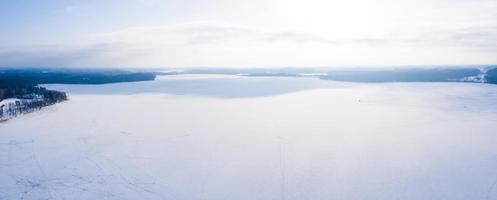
(225, 45)
(258, 33)
(271, 33)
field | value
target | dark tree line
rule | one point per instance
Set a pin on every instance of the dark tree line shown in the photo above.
(28, 99)
(403, 75)
(31, 92)
(492, 76)
(38, 76)
(22, 84)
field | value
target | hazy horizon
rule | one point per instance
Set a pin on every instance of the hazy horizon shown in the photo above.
(303, 68)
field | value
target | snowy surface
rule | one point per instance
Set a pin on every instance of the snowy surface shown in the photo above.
(224, 137)
(5, 102)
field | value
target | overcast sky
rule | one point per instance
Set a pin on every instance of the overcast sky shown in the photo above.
(249, 33)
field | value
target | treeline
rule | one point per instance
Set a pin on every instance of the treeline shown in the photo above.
(492, 76)
(17, 107)
(25, 99)
(15, 77)
(31, 92)
(21, 86)
(404, 75)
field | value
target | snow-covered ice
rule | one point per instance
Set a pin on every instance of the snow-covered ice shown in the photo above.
(224, 137)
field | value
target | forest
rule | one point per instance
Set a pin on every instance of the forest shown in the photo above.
(22, 94)
(25, 99)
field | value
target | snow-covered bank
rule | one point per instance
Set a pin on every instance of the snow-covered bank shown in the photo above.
(13, 107)
(21, 99)
(321, 141)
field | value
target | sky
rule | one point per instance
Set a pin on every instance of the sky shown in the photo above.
(255, 33)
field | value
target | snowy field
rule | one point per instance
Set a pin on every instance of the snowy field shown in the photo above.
(212, 137)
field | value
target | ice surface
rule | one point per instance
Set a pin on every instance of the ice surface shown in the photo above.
(299, 138)
(224, 86)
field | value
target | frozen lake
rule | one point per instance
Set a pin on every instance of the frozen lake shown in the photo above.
(190, 137)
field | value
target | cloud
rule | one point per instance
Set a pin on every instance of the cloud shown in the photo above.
(211, 33)
(483, 38)
(219, 44)
(200, 33)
